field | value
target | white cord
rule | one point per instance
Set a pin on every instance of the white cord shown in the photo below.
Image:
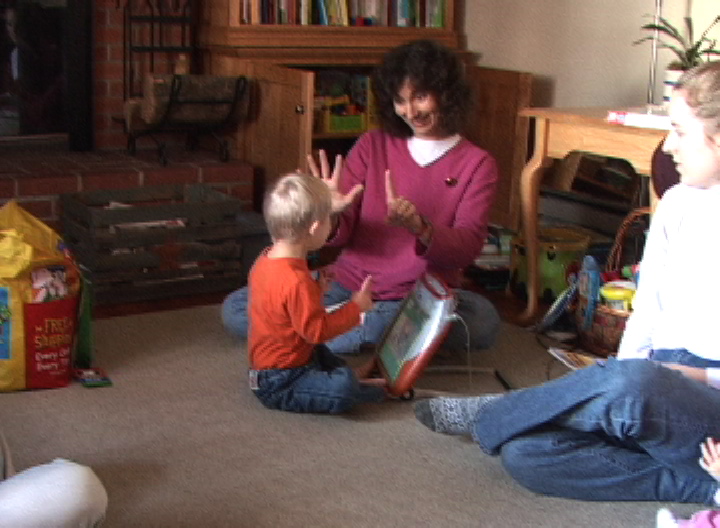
(469, 368)
(457, 317)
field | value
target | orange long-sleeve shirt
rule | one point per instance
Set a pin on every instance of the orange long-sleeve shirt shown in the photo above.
(287, 315)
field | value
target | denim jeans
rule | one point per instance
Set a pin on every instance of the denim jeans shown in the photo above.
(326, 385)
(622, 431)
(482, 321)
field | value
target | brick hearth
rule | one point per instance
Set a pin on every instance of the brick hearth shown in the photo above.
(36, 176)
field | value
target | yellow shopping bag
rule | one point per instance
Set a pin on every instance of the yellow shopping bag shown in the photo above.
(39, 291)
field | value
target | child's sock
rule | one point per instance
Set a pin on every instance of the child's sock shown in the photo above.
(451, 415)
(665, 519)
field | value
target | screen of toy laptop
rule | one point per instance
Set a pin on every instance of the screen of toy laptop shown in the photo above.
(422, 318)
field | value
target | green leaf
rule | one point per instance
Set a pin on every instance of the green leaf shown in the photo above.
(688, 50)
(689, 26)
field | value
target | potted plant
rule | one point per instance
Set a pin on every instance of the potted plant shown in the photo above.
(688, 51)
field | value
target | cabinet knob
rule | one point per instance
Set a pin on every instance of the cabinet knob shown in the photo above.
(300, 109)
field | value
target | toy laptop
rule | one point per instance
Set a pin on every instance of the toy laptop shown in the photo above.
(417, 332)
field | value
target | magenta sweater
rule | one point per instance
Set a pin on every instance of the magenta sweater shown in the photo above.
(455, 193)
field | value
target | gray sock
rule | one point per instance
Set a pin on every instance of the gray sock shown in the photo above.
(452, 416)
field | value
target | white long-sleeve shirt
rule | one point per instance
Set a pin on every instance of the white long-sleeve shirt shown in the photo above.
(677, 304)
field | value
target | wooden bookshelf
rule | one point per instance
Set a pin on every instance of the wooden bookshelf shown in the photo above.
(342, 13)
(282, 60)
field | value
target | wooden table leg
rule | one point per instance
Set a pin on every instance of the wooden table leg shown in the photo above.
(529, 196)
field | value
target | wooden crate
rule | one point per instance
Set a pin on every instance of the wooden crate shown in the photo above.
(161, 242)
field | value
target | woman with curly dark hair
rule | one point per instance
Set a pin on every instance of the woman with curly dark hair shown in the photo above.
(412, 196)
(430, 68)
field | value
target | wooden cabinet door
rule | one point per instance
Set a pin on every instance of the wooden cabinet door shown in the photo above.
(278, 130)
(495, 126)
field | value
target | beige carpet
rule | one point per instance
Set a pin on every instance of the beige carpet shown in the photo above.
(179, 441)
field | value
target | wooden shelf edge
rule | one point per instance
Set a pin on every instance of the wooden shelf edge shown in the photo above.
(323, 37)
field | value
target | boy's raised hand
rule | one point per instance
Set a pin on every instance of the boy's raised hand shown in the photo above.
(363, 297)
(325, 277)
(340, 201)
(400, 211)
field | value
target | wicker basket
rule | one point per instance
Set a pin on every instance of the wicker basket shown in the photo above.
(603, 336)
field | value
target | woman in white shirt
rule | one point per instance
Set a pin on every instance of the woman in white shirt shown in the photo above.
(629, 429)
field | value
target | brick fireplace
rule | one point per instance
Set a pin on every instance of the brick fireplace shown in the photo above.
(110, 72)
(107, 82)
(35, 173)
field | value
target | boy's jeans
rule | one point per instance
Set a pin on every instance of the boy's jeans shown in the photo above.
(326, 385)
(481, 318)
(626, 430)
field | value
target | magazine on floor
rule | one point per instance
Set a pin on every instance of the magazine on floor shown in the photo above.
(574, 359)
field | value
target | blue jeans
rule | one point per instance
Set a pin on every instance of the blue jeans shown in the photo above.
(480, 316)
(623, 431)
(326, 385)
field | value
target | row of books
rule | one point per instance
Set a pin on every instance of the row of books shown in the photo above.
(392, 13)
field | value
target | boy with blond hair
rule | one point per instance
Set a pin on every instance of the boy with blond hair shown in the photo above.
(290, 367)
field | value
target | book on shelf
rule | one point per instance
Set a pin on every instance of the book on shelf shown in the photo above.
(332, 9)
(404, 13)
(251, 11)
(291, 8)
(367, 12)
(357, 13)
(322, 12)
(305, 8)
(237, 13)
(420, 16)
(283, 14)
(343, 14)
(434, 13)
(375, 12)
(267, 10)
(650, 116)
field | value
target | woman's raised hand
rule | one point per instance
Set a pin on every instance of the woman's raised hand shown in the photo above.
(340, 201)
(401, 211)
(710, 460)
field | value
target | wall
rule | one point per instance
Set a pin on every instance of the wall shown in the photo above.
(580, 50)
(703, 12)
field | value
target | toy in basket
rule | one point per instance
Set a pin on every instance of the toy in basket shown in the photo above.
(600, 318)
(561, 250)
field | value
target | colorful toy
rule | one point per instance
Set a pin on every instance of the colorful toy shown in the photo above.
(560, 252)
(416, 334)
